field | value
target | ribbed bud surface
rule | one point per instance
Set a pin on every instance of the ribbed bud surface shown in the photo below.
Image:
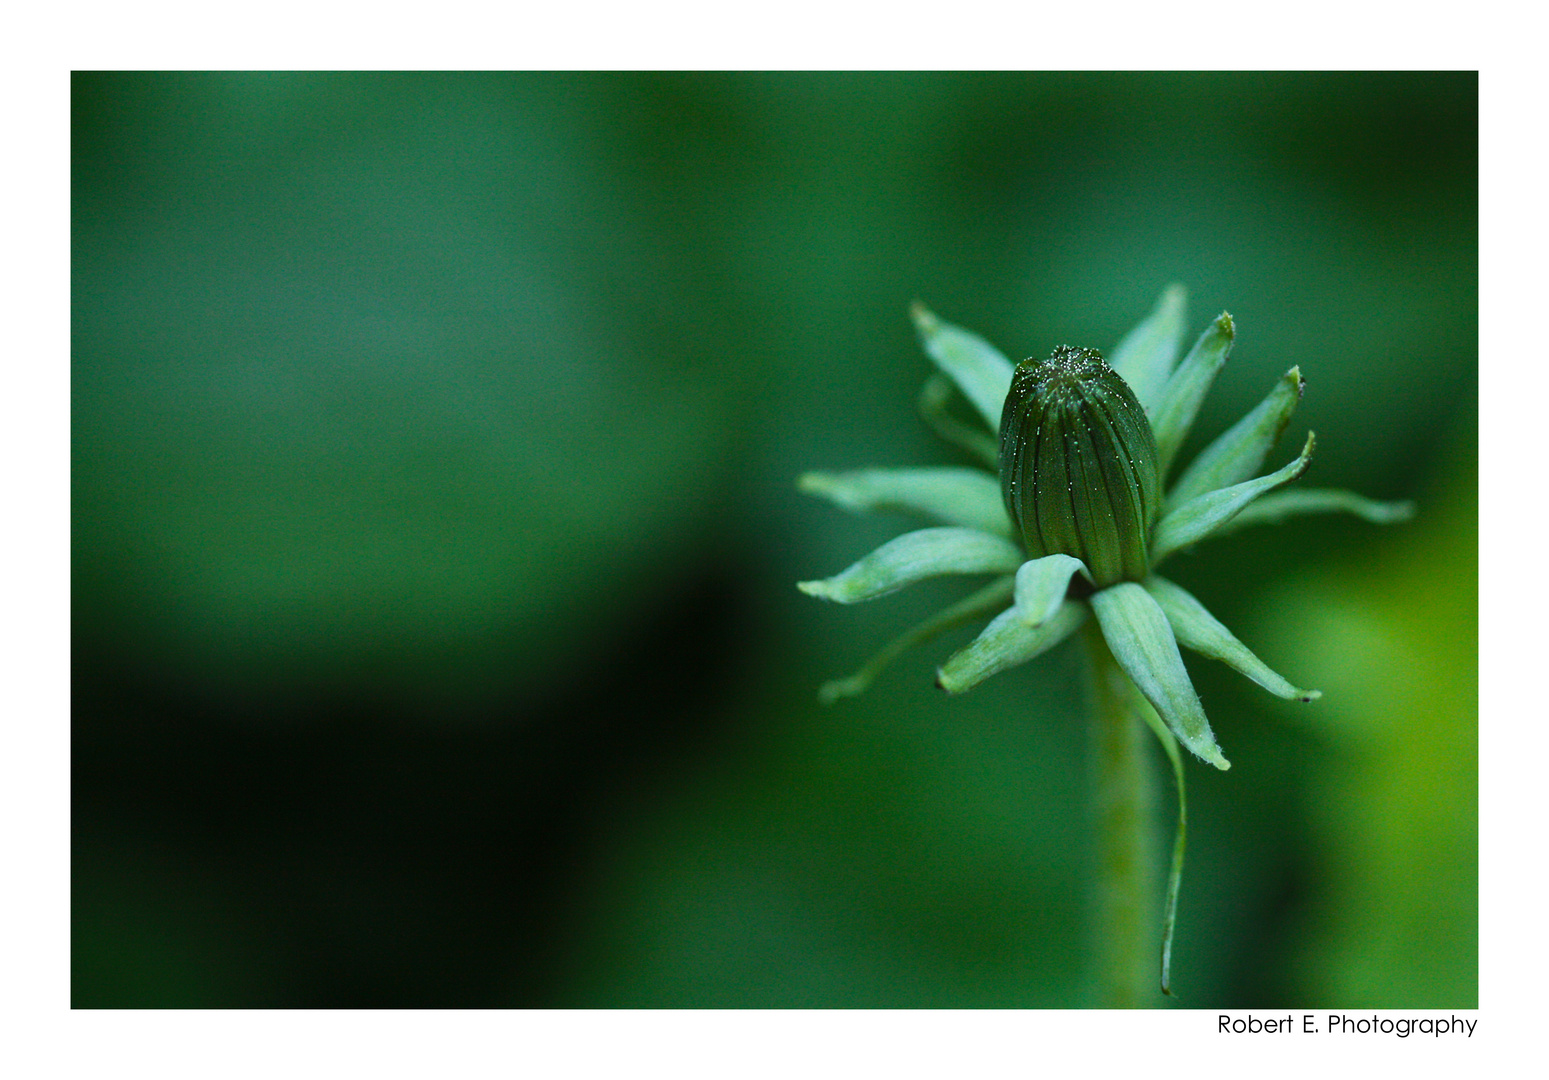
(1078, 464)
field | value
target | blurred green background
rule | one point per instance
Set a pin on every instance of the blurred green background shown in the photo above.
(435, 535)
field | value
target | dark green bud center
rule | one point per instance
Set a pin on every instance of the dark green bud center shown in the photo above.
(1078, 464)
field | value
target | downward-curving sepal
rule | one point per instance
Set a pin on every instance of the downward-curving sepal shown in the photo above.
(1042, 584)
(1005, 643)
(914, 557)
(1142, 641)
(993, 597)
(1201, 631)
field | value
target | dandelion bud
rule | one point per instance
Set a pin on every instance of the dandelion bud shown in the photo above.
(1078, 464)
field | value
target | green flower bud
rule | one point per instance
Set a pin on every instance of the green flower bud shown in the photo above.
(1078, 464)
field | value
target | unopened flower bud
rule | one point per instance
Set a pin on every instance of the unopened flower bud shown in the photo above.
(1078, 464)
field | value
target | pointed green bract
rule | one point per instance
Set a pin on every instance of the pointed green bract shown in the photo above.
(981, 372)
(1202, 516)
(1201, 631)
(1276, 507)
(1078, 464)
(1041, 586)
(1240, 451)
(1186, 389)
(916, 556)
(1142, 642)
(1005, 643)
(1146, 356)
(966, 497)
(993, 597)
(934, 396)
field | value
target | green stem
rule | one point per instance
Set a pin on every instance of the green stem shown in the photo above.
(1125, 946)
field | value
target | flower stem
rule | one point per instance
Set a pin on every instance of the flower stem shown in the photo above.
(1125, 946)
